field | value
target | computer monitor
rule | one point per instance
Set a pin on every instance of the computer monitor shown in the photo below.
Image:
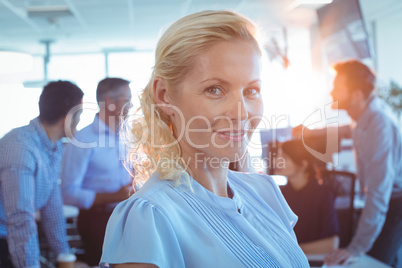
(343, 31)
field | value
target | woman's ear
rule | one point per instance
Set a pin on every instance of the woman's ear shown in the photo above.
(161, 95)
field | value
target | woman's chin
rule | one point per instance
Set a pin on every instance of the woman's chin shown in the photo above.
(236, 154)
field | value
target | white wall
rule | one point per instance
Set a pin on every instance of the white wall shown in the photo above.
(384, 24)
(389, 48)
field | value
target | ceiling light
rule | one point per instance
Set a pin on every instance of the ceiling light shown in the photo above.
(34, 84)
(48, 11)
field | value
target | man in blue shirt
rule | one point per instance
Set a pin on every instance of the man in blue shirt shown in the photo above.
(93, 176)
(378, 147)
(30, 163)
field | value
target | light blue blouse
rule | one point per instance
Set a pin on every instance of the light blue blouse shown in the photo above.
(171, 226)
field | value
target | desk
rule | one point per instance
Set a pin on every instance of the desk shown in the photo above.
(363, 261)
(68, 211)
(48, 258)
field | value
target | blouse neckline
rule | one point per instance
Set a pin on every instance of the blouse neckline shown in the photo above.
(213, 200)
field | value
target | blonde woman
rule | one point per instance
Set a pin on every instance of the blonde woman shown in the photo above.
(199, 111)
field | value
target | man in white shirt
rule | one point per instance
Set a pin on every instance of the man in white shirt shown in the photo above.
(378, 146)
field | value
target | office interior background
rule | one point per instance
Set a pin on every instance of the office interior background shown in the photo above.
(86, 40)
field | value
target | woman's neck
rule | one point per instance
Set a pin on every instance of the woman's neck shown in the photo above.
(298, 181)
(212, 176)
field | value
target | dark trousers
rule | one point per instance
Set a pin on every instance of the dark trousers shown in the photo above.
(389, 241)
(5, 260)
(92, 226)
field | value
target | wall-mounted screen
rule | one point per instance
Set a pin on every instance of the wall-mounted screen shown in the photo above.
(343, 31)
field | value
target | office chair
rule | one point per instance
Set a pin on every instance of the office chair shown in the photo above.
(343, 185)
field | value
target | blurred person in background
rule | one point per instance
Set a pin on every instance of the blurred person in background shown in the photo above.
(94, 178)
(377, 144)
(199, 111)
(317, 229)
(30, 164)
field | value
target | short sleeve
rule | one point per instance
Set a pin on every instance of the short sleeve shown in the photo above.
(139, 232)
(289, 215)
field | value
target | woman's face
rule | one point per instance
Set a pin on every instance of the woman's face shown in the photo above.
(289, 169)
(219, 102)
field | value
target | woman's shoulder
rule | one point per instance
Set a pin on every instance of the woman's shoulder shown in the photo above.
(263, 189)
(140, 227)
(153, 193)
(155, 196)
(259, 186)
(254, 182)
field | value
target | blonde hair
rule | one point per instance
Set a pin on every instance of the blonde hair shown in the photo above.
(175, 52)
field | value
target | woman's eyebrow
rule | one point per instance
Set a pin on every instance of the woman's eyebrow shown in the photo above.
(215, 79)
(255, 81)
(226, 82)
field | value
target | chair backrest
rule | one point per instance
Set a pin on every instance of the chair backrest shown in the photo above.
(343, 185)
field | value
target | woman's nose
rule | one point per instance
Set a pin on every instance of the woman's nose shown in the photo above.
(238, 109)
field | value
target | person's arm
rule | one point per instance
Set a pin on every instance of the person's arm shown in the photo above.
(321, 246)
(54, 222)
(149, 238)
(18, 193)
(301, 131)
(379, 172)
(74, 169)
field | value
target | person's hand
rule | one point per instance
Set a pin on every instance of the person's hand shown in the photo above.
(339, 256)
(298, 131)
(80, 264)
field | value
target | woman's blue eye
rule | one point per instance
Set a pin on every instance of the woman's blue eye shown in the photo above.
(251, 91)
(214, 91)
